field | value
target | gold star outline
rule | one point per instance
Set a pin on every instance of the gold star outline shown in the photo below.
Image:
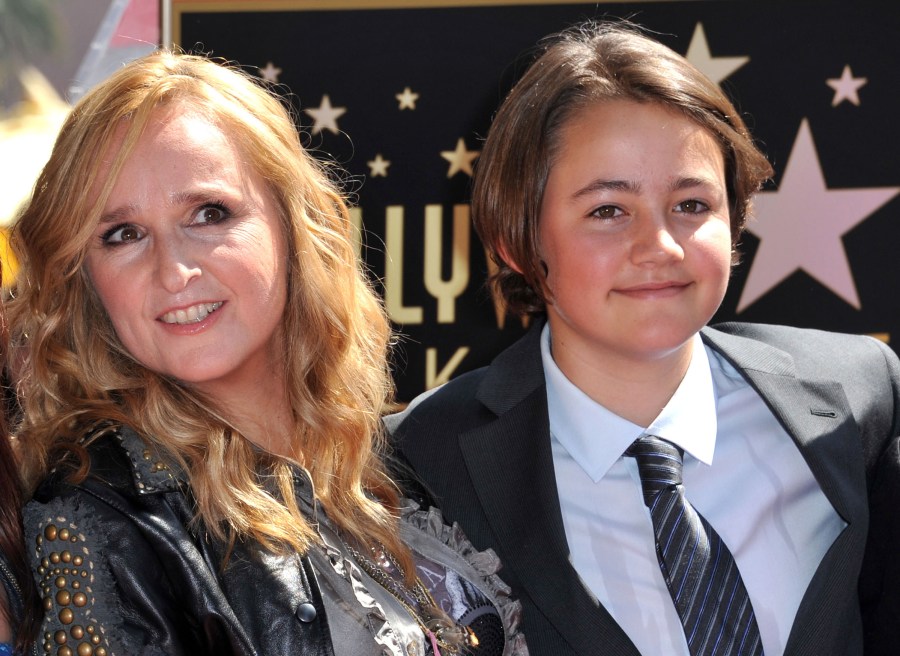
(270, 73)
(407, 99)
(326, 116)
(846, 87)
(378, 166)
(715, 68)
(460, 159)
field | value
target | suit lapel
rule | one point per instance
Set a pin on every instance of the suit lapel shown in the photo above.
(511, 465)
(817, 416)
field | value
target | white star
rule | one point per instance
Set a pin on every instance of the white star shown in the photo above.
(326, 116)
(460, 159)
(407, 99)
(715, 68)
(846, 87)
(800, 226)
(270, 73)
(378, 166)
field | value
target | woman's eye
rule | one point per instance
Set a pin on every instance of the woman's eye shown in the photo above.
(121, 234)
(692, 206)
(607, 212)
(211, 214)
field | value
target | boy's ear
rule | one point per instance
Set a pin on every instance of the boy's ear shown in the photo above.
(510, 262)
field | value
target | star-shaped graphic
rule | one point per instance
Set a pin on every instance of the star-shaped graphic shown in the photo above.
(715, 68)
(846, 87)
(460, 159)
(326, 116)
(378, 166)
(270, 73)
(800, 226)
(407, 99)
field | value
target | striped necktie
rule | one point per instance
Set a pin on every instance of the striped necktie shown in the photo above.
(699, 570)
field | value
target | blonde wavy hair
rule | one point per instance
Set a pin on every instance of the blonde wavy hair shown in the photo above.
(74, 377)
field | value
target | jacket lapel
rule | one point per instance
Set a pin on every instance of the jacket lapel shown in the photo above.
(511, 465)
(817, 416)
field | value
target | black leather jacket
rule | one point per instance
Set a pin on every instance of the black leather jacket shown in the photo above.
(12, 590)
(134, 508)
(13, 594)
(13, 598)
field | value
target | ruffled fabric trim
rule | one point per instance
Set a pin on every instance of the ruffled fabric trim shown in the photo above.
(383, 632)
(486, 564)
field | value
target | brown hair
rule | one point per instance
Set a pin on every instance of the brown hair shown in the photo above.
(23, 619)
(76, 375)
(586, 64)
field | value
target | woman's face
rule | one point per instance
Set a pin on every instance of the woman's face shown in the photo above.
(189, 257)
(635, 234)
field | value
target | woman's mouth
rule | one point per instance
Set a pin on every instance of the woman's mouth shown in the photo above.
(192, 314)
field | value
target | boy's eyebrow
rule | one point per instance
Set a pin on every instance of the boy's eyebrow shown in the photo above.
(687, 183)
(635, 187)
(607, 185)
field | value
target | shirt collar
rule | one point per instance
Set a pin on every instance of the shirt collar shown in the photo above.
(596, 437)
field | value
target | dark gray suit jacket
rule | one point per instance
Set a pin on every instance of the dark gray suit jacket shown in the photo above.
(481, 445)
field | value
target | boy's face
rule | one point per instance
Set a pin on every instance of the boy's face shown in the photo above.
(634, 233)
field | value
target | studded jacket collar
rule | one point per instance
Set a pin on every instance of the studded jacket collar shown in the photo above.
(135, 508)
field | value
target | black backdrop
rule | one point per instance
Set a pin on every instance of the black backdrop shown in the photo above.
(828, 229)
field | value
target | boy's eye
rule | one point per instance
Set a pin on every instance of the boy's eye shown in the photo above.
(121, 234)
(692, 206)
(607, 212)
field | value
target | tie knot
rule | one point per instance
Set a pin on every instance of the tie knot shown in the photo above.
(659, 464)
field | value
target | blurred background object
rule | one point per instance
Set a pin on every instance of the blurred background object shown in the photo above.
(51, 51)
(28, 29)
(27, 132)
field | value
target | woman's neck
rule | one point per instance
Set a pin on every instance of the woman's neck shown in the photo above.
(260, 411)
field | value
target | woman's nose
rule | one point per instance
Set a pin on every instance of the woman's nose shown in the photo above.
(175, 264)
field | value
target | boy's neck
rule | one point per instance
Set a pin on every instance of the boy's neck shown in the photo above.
(636, 390)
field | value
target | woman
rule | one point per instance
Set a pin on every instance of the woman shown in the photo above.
(16, 588)
(15, 578)
(612, 192)
(203, 374)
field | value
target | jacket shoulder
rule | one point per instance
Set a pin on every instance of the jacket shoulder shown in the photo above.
(119, 461)
(816, 353)
(485, 393)
(790, 337)
(446, 405)
(78, 535)
(459, 391)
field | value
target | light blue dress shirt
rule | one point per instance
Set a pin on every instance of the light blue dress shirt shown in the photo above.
(742, 472)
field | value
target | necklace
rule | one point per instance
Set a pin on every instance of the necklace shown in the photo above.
(440, 629)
